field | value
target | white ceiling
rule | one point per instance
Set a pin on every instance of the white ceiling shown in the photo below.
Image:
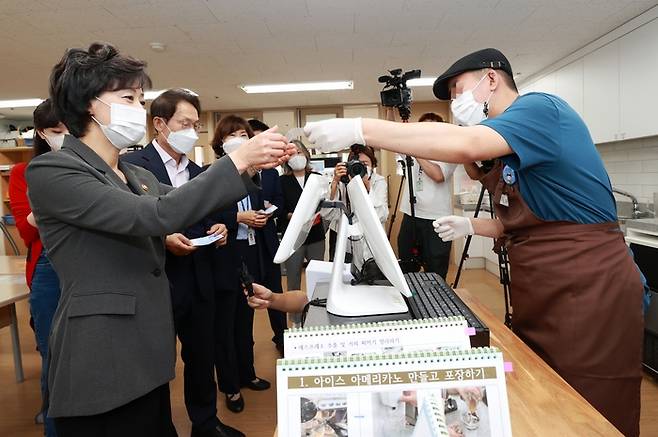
(213, 45)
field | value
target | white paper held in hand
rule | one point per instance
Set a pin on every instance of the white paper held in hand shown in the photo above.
(295, 133)
(269, 210)
(204, 241)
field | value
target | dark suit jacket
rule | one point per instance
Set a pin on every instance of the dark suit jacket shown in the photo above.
(191, 273)
(226, 263)
(112, 338)
(292, 191)
(272, 192)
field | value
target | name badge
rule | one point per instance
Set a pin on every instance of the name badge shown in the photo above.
(509, 176)
(504, 200)
(419, 184)
(251, 237)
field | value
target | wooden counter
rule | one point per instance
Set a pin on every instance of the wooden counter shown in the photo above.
(541, 403)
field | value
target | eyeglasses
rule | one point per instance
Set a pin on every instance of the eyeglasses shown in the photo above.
(188, 124)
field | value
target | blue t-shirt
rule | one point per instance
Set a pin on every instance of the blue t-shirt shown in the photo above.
(561, 175)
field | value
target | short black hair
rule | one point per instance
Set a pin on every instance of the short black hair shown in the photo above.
(44, 118)
(430, 116)
(81, 75)
(164, 106)
(507, 79)
(257, 125)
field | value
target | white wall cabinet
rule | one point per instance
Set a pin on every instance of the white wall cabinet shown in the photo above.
(569, 85)
(612, 87)
(638, 69)
(601, 93)
(285, 119)
(546, 84)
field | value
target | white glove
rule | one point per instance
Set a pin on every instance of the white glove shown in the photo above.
(334, 134)
(452, 227)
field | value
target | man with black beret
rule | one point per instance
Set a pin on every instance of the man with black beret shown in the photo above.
(575, 290)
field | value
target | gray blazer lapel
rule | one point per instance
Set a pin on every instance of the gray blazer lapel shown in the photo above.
(90, 157)
(138, 186)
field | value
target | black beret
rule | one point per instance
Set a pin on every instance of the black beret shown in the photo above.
(485, 58)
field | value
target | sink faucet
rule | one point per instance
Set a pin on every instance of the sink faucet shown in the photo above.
(636, 208)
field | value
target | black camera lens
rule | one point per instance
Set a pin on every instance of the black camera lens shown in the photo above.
(354, 167)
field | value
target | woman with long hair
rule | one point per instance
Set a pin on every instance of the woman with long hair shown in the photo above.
(41, 278)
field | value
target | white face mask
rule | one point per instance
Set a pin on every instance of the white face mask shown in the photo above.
(233, 144)
(182, 141)
(127, 125)
(55, 141)
(297, 162)
(466, 110)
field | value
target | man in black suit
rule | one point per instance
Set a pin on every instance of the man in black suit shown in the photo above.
(272, 194)
(175, 115)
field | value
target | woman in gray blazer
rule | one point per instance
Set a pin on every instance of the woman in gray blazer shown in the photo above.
(112, 344)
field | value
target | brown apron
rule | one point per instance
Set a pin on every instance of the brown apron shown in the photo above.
(577, 302)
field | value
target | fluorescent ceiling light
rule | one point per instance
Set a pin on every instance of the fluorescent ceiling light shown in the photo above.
(421, 81)
(152, 95)
(20, 103)
(303, 86)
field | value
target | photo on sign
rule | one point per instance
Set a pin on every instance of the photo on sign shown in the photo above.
(323, 416)
(400, 413)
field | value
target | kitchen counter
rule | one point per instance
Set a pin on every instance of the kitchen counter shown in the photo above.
(649, 224)
(642, 231)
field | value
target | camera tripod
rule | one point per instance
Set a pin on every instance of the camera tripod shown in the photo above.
(412, 264)
(503, 261)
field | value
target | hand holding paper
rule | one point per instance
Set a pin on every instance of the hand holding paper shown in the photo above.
(204, 241)
(266, 150)
(220, 230)
(179, 244)
(269, 210)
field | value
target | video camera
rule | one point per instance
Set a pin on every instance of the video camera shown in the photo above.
(396, 93)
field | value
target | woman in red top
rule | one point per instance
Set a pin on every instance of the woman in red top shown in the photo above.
(41, 278)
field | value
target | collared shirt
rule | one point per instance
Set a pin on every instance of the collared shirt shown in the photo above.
(243, 205)
(178, 173)
(433, 199)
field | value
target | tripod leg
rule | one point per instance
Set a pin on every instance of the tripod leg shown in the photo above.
(503, 271)
(395, 209)
(467, 244)
(503, 266)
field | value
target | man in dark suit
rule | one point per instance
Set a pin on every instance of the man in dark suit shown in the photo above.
(175, 114)
(272, 194)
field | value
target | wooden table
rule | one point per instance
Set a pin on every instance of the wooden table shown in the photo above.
(541, 403)
(12, 289)
(12, 265)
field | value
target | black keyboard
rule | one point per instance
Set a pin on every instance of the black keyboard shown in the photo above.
(432, 297)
